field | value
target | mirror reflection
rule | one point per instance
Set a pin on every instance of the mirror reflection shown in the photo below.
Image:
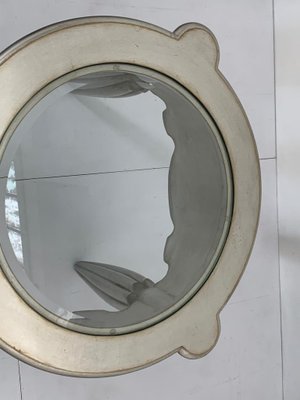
(117, 195)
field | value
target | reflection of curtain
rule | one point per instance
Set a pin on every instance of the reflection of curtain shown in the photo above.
(12, 216)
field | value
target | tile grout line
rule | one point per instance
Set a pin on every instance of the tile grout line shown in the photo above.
(277, 198)
(107, 172)
(89, 174)
(20, 380)
(274, 78)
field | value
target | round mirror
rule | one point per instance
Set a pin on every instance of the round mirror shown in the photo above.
(130, 195)
(117, 193)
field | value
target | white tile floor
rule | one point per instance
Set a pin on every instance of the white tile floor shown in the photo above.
(9, 377)
(287, 29)
(246, 362)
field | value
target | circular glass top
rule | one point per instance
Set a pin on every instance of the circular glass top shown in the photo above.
(116, 194)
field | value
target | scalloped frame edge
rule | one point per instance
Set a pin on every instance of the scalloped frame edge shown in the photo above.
(196, 326)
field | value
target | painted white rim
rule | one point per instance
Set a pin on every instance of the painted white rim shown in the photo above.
(190, 57)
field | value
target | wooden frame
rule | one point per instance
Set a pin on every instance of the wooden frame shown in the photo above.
(190, 57)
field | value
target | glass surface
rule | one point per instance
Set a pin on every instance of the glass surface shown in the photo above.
(117, 194)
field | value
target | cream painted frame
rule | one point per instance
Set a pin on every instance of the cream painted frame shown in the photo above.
(189, 56)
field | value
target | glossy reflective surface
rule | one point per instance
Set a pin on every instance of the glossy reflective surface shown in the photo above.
(117, 196)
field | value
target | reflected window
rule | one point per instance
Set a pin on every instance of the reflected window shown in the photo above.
(12, 214)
